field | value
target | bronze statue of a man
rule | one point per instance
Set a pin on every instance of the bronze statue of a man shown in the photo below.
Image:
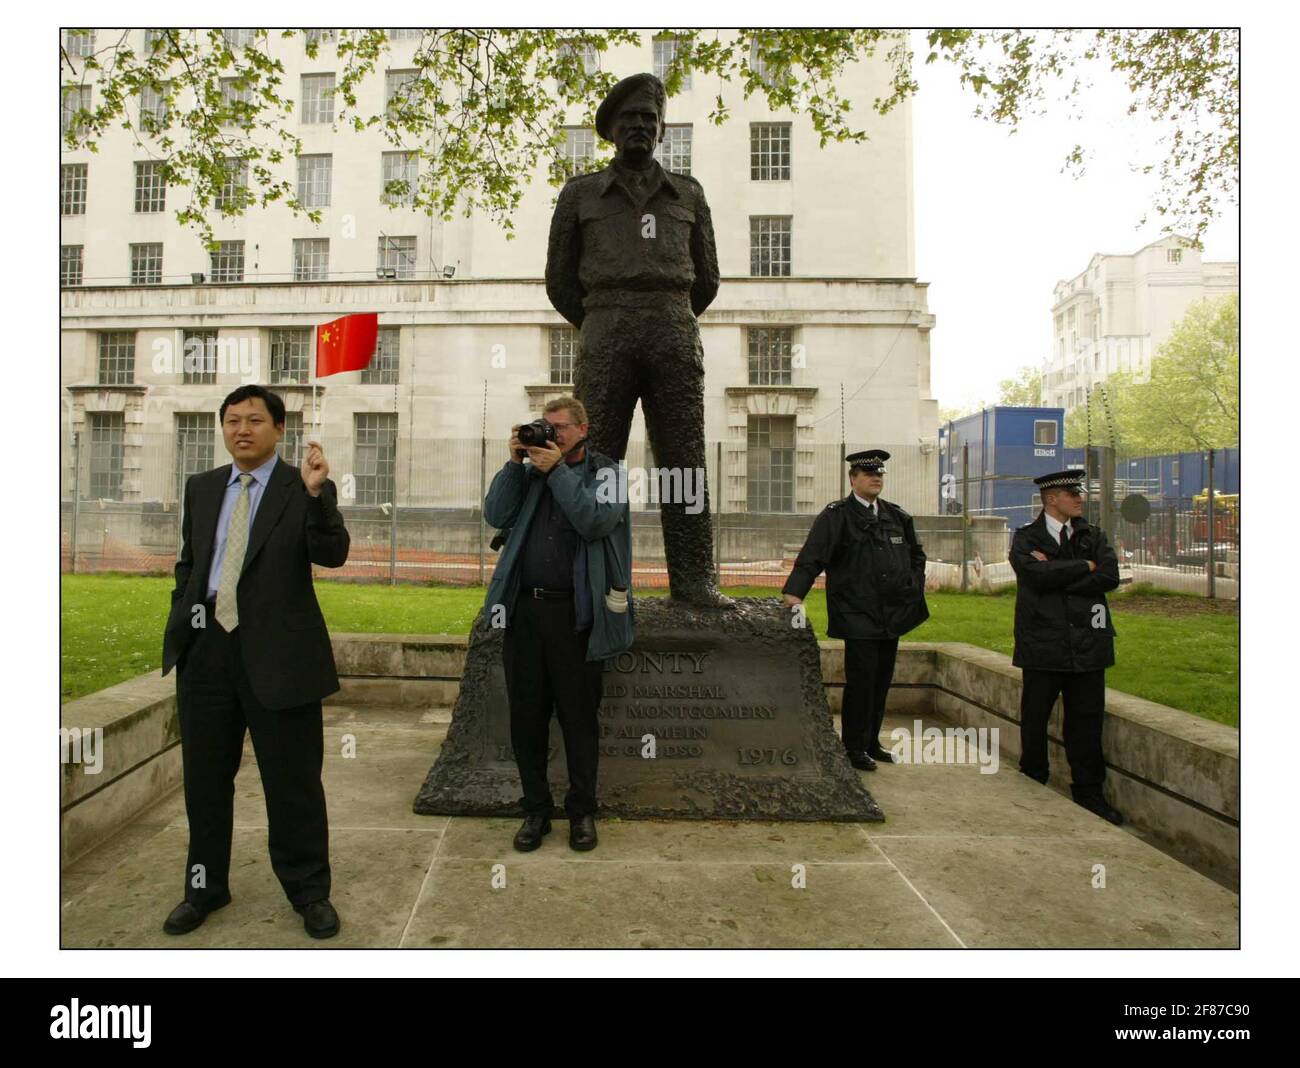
(631, 262)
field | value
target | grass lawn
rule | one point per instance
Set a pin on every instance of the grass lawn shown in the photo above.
(1178, 650)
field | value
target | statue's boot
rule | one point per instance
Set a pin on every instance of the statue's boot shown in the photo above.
(688, 548)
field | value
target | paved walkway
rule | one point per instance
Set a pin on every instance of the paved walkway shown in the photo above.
(964, 859)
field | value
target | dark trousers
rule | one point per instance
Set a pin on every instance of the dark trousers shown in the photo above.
(215, 705)
(1085, 701)
(868, 671)
(650, 349)
(547, 673)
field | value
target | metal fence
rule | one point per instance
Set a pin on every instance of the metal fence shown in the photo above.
(413, 505)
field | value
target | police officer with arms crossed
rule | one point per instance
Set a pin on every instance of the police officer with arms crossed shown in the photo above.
(875, 592)
(561, 588)
(1065, 639)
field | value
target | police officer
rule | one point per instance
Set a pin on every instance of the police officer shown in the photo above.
(631, 262)
(1065, 638)
(875, 592)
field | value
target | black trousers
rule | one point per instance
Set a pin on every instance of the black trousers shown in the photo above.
(650, 349)
(1085, 701)
(868, 671)
(215, 706)
(547, 673)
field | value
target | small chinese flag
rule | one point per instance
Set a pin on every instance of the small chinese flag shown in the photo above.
(346, 344)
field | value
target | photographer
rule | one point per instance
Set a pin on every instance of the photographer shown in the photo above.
(561, 589)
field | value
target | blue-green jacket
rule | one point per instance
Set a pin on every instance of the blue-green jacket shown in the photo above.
(604, 558)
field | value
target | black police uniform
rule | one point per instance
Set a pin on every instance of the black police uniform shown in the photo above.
(875, 592)
(1065, 640)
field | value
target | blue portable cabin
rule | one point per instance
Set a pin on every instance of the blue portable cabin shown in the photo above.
(1009, 447)
(1173, 478)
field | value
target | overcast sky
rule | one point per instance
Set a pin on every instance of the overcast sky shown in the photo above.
(998, 224)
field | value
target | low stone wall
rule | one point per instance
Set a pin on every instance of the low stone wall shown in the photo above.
(139, 753)
(1173, 775)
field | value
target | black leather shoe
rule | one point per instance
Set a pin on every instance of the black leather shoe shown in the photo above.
(1037, 778)
(861, 760)
(582, 833)
(186, 916)
(1098, 806)
(880, 756)
(529, 836)
(319, 918)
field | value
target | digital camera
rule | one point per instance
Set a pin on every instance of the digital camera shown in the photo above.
(536, 433)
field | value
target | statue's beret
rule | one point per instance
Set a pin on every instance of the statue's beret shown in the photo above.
(609, 106)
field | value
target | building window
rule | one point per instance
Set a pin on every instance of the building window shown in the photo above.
(195, 434)
(579, 149)
(236, 101)
(240, 38)
(73, 99)
(78, 43)
(770, 462)
(404, 33)
(769, 151)
(146, 264)
(290, 348)
(396, 257)
(317, 98)
(400, 89)
(153, 108)
(107, 444)
(1174, 466)
(1044, 431)
(769, 246)
(769, 355)
(384, 364)
(320, 37)
(564, 350)
(665, 51)
(72, 189)
(70, 265)
(314, 173)
(233, 191)
(375, 456)
(584, 50)
(1173, 255)
(768, 73)
(674, 151)
(154, 40)
(400, 177)
(290, 447)
(311, 259)
(150, 187)
(228, 262)
(116, 358)
(199, 357)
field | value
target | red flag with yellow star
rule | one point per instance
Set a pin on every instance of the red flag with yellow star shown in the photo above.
(346, 344)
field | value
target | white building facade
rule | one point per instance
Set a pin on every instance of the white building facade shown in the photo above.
(818, 299)
(1115, 315)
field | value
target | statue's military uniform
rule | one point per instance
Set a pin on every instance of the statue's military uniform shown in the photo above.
(875, 593)
(631, 263)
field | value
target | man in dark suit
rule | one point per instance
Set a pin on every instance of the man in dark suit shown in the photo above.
(251, 651)
(1065, 639)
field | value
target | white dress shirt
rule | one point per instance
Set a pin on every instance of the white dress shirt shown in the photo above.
(869, 505)
(1054, 527)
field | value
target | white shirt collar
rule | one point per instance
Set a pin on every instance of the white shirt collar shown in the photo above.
(871, 505)
(1054, 527)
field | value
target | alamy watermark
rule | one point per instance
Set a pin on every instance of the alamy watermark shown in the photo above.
(655, 485)
(946, 745)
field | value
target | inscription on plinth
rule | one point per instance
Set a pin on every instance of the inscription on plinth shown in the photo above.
(709, 715)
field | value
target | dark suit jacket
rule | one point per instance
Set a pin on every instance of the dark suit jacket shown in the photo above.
(282, 636)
